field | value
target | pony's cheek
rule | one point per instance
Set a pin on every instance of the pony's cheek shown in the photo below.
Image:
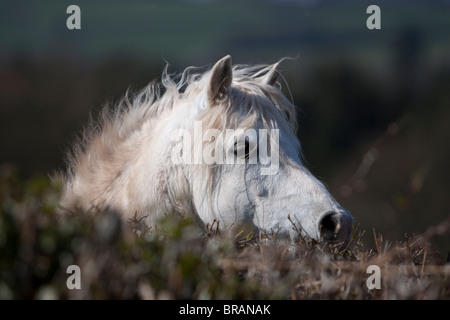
(232, 197)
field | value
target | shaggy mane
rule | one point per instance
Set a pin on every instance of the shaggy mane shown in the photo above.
(105, 144)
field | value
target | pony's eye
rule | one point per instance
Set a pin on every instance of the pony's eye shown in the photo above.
(247, 149)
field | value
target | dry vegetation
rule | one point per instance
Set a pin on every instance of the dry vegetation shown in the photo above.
(179, 260)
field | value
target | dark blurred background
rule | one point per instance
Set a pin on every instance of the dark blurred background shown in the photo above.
(375, 103)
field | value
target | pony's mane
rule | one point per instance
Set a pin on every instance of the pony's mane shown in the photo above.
(103, 137)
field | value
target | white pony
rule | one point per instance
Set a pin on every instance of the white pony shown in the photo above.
(140, 158)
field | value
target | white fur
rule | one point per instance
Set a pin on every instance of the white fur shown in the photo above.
(124, 160)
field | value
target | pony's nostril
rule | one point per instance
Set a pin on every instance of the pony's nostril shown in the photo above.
(329, 226)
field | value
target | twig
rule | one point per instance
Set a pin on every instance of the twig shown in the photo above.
(357, 179)
(423, 262)
(376, 241)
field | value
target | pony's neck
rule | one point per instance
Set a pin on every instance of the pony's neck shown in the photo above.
(165, 182)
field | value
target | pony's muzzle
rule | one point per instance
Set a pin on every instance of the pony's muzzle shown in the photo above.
(334, 227)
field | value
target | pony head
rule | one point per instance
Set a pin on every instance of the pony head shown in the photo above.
(237, 146)
(220, 145)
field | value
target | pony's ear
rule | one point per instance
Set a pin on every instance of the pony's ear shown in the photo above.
(272, 76)
(220, 81)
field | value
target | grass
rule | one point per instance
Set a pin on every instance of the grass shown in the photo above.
(181, 260)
